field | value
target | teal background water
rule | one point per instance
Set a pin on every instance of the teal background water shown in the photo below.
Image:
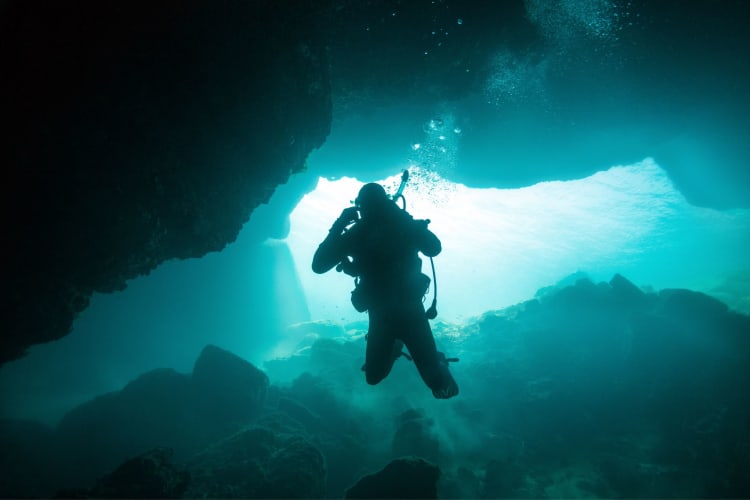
(538, 180)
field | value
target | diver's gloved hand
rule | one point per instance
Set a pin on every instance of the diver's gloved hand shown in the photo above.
(348, 215)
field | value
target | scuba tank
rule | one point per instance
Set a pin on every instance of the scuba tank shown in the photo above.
(359, 301)
(432, 310)
(359, 297)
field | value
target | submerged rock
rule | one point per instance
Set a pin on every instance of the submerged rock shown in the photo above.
(162, 408)
(151, 411)
(150, 475)
(259, 463)
(227, 390)
(407, 477)
(626, 293)
(213, 107)
(656, 381)
(27, 459)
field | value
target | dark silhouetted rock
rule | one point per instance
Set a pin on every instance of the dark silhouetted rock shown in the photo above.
(227, 390)
(151, 411)
(258, 463)
(407, 477)
(162, 408)
(691, 308)
(627, 293)
(28, 459)
(585, 391)
(158, 141)
(150, 475)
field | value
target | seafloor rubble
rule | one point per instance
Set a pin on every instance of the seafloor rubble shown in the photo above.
(586, 390)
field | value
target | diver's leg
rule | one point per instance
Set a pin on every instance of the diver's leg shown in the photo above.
(381, 348)
(432, 366)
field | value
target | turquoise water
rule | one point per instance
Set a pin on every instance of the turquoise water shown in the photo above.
(546, 190)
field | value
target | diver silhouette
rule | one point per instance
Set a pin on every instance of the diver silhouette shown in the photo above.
(377, 242)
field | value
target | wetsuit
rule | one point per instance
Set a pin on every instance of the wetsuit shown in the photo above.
(384, 255)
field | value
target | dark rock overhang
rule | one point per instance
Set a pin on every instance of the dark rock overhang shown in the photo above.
(139, 133)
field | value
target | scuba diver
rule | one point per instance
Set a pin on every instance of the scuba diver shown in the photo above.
(377, 242)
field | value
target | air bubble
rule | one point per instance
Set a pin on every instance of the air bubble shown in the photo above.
(435, 123)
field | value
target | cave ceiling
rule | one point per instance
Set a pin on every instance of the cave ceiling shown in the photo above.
(137, 133)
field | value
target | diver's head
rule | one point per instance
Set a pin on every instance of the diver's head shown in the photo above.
(371, 199)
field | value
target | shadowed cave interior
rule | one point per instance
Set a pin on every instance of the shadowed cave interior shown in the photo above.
(173, 167)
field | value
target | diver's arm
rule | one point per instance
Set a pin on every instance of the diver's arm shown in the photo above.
(331, 251)
(427, 242)
(328, 253)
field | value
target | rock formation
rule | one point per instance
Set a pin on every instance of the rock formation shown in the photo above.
(402, 478)
(142, 134)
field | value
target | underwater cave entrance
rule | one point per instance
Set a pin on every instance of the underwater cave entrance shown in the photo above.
(500, 246)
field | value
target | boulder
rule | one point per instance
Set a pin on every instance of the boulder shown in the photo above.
(407, 477)
(158, 141)
(150, 475)
(258, 463)
(227, 391)
(162, 408)
(28, 459)
(626, 293)
(151, 411)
